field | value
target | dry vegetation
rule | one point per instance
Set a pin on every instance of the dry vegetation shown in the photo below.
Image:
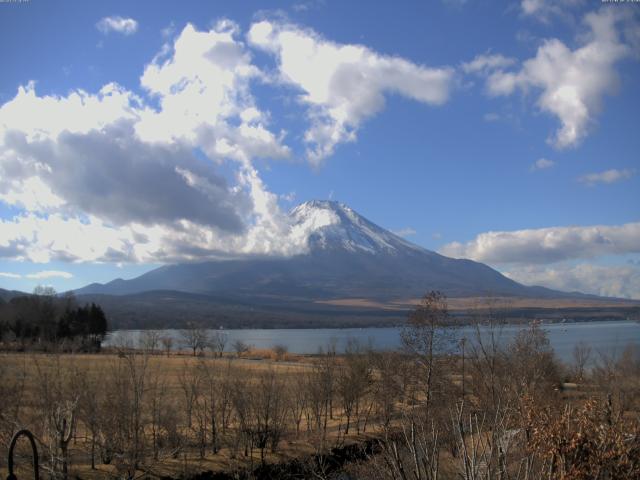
(494, 410)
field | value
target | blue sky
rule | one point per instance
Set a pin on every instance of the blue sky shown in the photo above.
(138, 133)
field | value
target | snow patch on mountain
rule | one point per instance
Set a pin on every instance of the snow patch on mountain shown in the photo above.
(328, 225)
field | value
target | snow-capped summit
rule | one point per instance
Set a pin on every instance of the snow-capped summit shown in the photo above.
(345, 256)
(330, 225)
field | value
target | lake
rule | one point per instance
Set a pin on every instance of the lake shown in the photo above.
(606, 337)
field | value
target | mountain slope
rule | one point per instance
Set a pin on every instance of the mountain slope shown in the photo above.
(348, 256)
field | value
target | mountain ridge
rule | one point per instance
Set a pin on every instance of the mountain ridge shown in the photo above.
(347, 256)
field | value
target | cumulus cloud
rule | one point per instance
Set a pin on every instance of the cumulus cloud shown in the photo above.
(112, 176)
(343, 85)
(608, 176)
(548, 245)
(611, 281)
(125, 26)
(542, 164)
(202, 84)
(87, 171)
(573, 82)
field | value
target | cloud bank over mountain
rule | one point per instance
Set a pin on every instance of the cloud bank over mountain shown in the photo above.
(547, 256)
(119, 175)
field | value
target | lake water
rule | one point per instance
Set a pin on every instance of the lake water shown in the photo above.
(607, 337)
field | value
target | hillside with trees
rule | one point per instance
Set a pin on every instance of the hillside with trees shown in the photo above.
(46, 321)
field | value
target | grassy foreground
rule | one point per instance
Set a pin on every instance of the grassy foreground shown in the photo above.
(494, 410)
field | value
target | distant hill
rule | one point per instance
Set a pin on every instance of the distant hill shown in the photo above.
(6, 295)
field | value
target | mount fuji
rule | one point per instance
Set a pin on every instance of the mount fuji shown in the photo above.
(346, 256)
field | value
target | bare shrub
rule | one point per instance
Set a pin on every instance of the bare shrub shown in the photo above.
(240, 348)
(280, 350)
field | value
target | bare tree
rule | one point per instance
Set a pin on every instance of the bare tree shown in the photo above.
(428, 333)
(167, 344)
(240, 348)
(581, 357)
(387, 389)
(123, 420)
(532, 369)
(189, 379)
(58, 403)
(267, 412)
(218, 343)
(297, 397)
(487, 355)
(354, 380)
(149, 341)
(195, 337)
(89, 387)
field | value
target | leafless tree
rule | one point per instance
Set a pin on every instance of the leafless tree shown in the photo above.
(218, 343)
(58, 404)
(353, 383)
(486, 360)
(297, 397)
(428, 332)
(189, 379)
(581, 357)
(532, 369)
(12, 403)
(123, 420)
(240, 348)
(387, 388)
(149, 341)
(195, 337)
(89, 385)
(157, 406)
(267, 412)
(167, 344)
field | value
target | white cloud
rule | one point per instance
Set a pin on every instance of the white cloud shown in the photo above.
(343, 85)
(203, 87)
(125, 26)
(486, 63)
(108, 177)
(548, 245)
(573, 83)
(545, 9)
(405, 232)
(10, 275)
(49, 274)
(542, 164)
(612, 281)
(608, 176)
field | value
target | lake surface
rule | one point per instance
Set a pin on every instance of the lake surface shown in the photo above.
(606, 337)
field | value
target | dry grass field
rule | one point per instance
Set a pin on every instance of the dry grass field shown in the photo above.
(480, 303)
(502, 409)
(179, 383)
